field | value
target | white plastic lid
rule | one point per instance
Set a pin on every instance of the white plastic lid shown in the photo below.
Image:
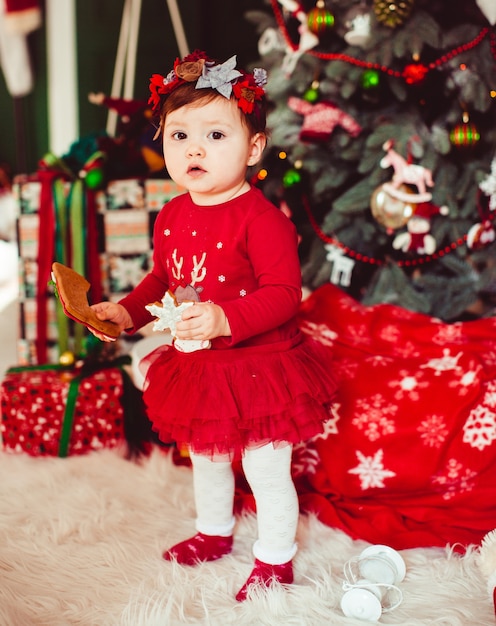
(362, 604)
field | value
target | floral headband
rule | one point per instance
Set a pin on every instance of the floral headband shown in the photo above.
(223, 77)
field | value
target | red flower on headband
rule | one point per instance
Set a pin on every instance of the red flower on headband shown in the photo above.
(185, 70)
(246, 92)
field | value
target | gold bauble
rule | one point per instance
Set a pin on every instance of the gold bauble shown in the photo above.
(391, 212)
(67, 358)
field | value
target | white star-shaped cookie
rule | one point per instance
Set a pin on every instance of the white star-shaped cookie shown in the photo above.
(169, 314)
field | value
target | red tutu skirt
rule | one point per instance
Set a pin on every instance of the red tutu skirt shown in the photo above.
(219, 402)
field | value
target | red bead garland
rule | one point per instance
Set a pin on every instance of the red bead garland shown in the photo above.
(358, 256)
(406, 74)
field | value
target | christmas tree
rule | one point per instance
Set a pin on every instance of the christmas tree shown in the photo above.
(382, 150)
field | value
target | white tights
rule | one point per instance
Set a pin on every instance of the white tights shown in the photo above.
(268, 472)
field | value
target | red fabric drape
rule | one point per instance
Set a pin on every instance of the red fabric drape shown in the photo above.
(409, 453)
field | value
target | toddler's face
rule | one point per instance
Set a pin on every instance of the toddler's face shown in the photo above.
(207, 149)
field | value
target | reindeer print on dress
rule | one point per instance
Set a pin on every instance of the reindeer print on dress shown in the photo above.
(169, 312)
(188, 292)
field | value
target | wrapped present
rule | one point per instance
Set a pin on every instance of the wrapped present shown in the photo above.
(105, 234)
(51, 410)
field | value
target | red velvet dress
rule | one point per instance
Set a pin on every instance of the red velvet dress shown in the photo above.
(265, 383)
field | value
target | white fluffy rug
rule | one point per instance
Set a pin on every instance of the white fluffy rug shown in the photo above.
(81, 541)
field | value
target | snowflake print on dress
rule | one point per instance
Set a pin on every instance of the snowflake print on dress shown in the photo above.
(408, 386)
(433, 431)
(320, 332)
(371, 470)
(446, 363)
(373, 418)
(479, 430)
(454, 480)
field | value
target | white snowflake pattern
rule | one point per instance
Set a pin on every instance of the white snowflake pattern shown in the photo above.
(167, 232)
(407, 350)
(126, 272)
(479, 430)
(466, 380)
(330, 425)
(433, 431)
(454, 480)
(377, 360)
(221, 278)
(390, 333)
(373, 418)
(242, 293)
(490, 395)
(346, 369)
(220, 245)
(371, 470)
(305, 460)
(452, 333)
(446, 363)
(320, 332)
(408, 386)
(194, 233)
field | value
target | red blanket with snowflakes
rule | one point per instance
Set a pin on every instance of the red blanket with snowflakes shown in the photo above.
(409, 455)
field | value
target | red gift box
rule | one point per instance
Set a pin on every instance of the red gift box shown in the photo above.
(52, 411)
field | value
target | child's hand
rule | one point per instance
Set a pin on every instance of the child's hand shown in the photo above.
(112, 312)
(203, 321)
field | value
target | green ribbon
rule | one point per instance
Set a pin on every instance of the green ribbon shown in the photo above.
(68, 419)
(72, 393)
(61, 257)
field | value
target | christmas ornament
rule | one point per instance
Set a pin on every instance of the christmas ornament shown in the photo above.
(67, 358)
(417, 238)
(435, 64)
(320, 19)
(370, 79)
(464, 135)
(488, 186)
(357, 21)
(405, 172)
(308, 40)
(392, 13)
(320, 119)
(291, 177)
(415, 73)
(481, 235)
(312, 93)
(391, 212)
(488, 8)
(93, 171)
(342, 267)
(270, 40)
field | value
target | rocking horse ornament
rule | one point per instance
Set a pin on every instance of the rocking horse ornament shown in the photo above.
(406, 173)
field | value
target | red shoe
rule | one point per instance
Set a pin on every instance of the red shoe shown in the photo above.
(199, 548)
(264, 575)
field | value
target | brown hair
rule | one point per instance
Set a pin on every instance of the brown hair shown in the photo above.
(187, 94)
